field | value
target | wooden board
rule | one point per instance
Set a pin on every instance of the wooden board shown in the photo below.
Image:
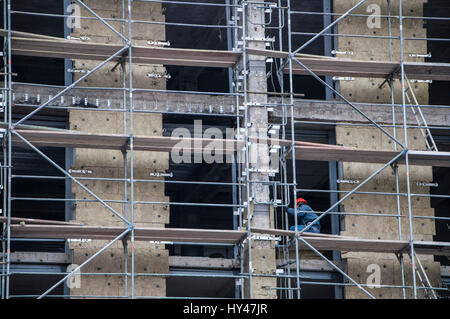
(141, 233)
(323, 242)
(98, 51)
(35, 45)
(304, 150)
(21, 220)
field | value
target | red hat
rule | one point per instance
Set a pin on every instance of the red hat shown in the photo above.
(301, 200)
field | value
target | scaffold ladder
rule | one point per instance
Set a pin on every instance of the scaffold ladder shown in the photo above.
(420, 118)
(424, 280)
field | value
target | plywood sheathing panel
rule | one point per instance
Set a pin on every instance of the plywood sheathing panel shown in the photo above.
(145, 215)
(390, 271)
(98, 32)
(377, 49)
(150, 258)
(113, 123)
(375, 227)
(111, 75)
(108, 285)
(112, 260)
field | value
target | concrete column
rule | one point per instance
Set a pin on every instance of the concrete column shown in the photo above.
(257, 115)
(263, 252)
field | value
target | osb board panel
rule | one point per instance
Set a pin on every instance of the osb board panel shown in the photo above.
(149, 286)
(112, 260)
(113, 123)
(141, 32)
(109, 122)
(95, 213)
(357, 269)
(374, 138)
(156, 214)
(98, 244)
(150, 187)
(141, 77)
(390, 271)
(148, 161)
(111, 75)
(114, 286)
(375, 227)
(99, 285)
(98, 32)
(98, 158)
(367, 90)
(385, 227)
(99, 186)
(303, 254)
(410, 8)
(371, 49)
(143, 188)
(379, 48)
(107, 76)
(106, 163)
(116, 6)
(146, 124)
(95, 121)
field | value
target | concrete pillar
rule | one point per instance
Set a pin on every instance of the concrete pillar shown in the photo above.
(263, 252)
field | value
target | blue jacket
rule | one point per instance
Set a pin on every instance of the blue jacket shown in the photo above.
(306, 215)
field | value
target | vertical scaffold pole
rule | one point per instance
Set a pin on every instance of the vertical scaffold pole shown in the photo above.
(131, 145)
(4, 146)
(405, 130)
(395, 167)
(8, 193)
(294, 168)
(125, 162)
(247, 157)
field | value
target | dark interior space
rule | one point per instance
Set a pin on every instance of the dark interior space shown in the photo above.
(310, 175)
(200, 216)
(440, 50)
(200, 287)
(441, 176)
(32, 285)
(38, 69)
(28, 162)
(310, 291)
(186, 78)
(199, 78)
(308, 24)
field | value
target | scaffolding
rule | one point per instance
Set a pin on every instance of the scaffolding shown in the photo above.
(284, 189)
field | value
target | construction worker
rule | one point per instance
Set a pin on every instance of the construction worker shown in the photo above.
(307, 216)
